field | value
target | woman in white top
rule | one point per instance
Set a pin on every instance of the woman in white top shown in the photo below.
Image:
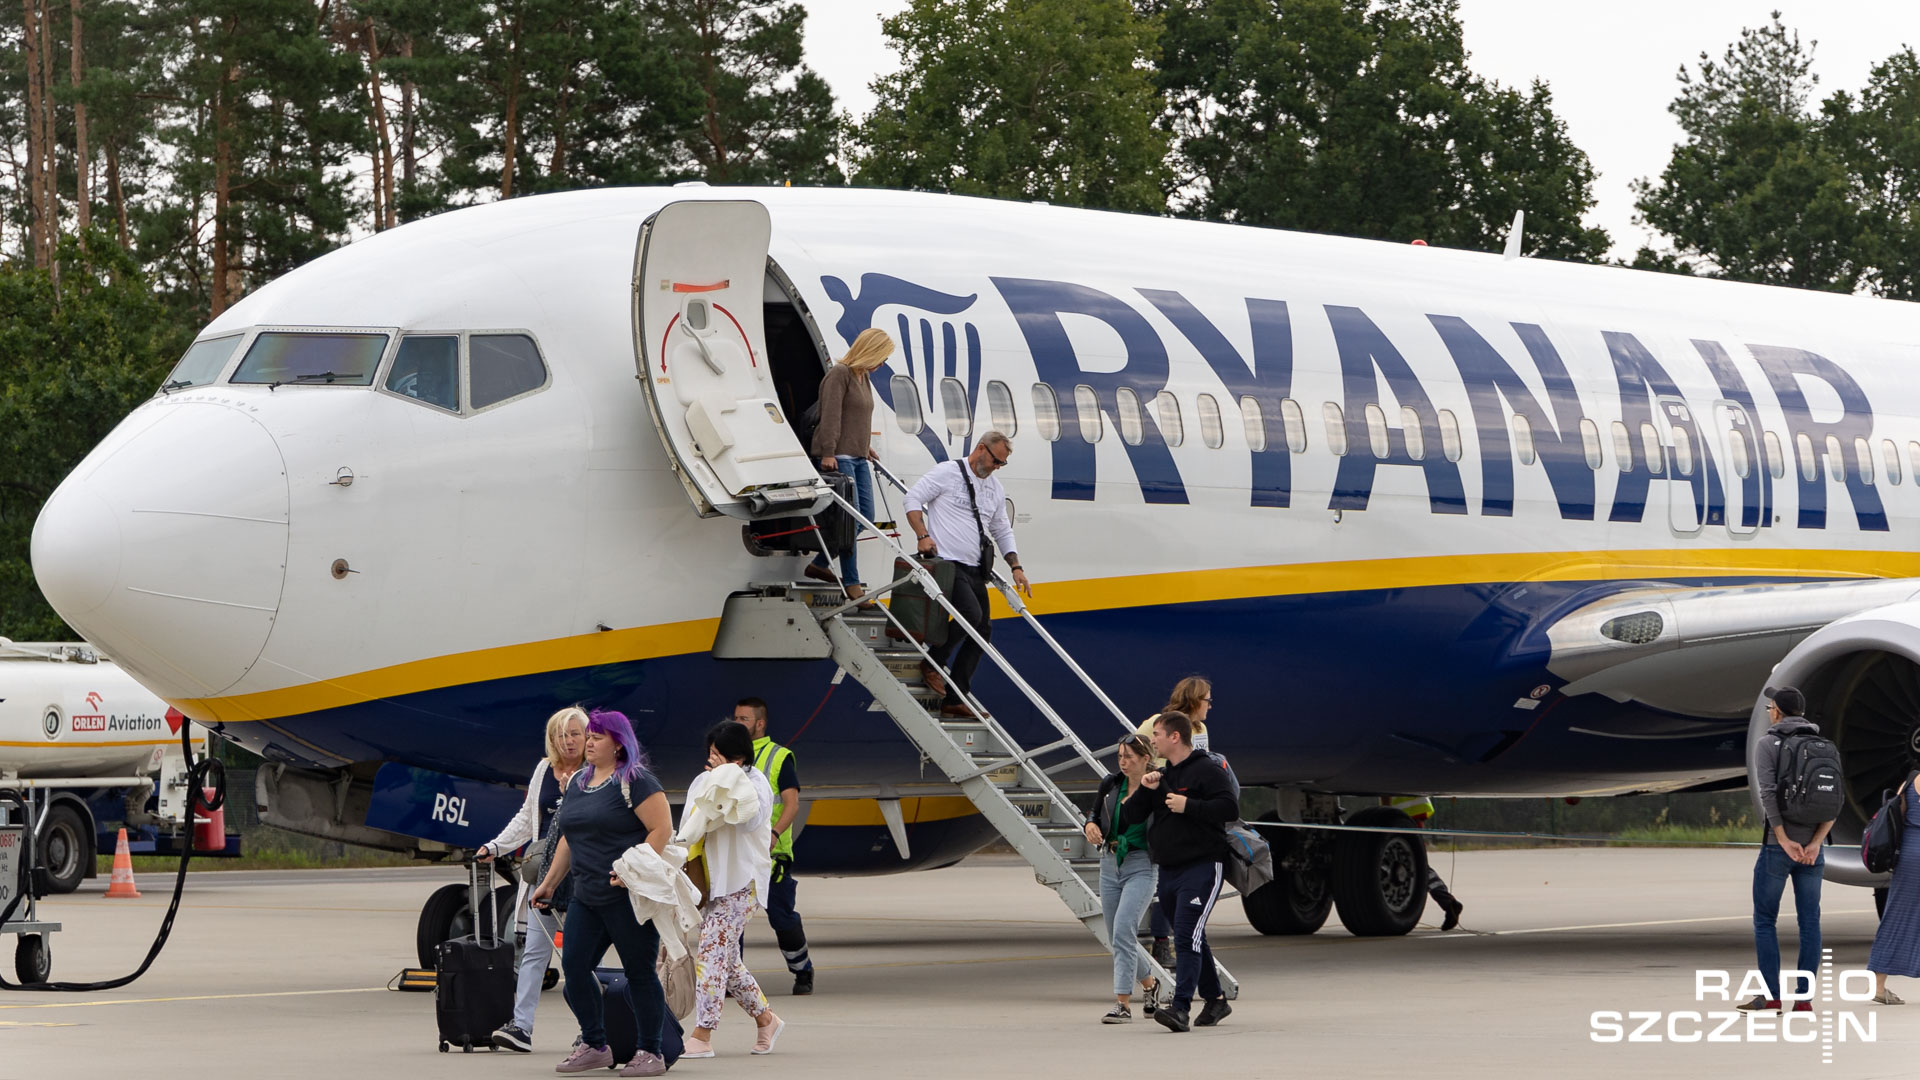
(729, 811)
(566, 739)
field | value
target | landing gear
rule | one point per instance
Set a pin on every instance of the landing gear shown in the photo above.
(446, 915)
(1300, 896)
(1380, 879)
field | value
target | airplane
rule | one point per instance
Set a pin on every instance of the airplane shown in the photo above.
(1432, 520)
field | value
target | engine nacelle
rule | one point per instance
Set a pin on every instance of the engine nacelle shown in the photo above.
(1861, 675)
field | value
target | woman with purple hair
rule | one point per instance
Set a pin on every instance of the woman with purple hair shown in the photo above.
(615, 804)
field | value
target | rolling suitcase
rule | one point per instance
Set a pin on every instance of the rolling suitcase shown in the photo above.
(921, 614)
(622, 1040)
(474, 977)
(831, 530)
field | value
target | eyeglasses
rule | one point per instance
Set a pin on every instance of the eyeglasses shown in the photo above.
(997, 461)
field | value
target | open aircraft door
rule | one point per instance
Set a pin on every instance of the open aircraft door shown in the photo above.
(698, 277)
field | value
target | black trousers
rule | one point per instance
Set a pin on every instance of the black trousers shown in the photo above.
(970, 597)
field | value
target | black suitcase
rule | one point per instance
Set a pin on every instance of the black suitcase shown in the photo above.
(831, 530)
(474, 976)
(622, 1040)
(921, 614)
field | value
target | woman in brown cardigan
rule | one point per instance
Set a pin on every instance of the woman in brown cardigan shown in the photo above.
(843, 440)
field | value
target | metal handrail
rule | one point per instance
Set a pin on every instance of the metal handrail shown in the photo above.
(926, 580)
(1012, 596)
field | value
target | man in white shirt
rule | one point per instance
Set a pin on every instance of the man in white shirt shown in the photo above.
(958, 511)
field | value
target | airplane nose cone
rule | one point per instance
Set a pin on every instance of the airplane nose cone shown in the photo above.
(167, 546)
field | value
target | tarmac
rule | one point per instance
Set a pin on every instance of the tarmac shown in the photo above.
(977, 970)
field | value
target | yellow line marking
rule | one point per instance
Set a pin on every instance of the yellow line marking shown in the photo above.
(196, 997)
(36, 1023)
(1093, 594)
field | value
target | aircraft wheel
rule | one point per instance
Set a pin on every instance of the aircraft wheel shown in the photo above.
(551, 979)
(1380, 879)
(1295, 902)
(32, 961)
(65, 848)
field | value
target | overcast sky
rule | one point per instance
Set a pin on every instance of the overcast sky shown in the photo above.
(1610, 65)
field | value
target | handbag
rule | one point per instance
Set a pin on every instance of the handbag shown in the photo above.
(676, 980)
(1880, 842)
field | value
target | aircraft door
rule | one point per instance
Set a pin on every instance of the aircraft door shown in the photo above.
(699, 273)
(1743, 464)
(1686, 466)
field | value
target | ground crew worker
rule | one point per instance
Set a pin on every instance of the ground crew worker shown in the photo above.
(1420, 809)
(776, 763)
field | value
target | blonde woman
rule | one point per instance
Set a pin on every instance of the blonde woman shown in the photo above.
(566, 740)
(843, 440)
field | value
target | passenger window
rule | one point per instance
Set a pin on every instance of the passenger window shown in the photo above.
(1590, 442)
(1252, 425)
(1656, 453)
(1087, 404)
(1414, 434)
(1836, 465)
(502, 366)
(1913, 461)
(1809, 465)
(1295, 422)
(1000, 409)
(1171, 426)
(1890, 453)
(1132, 426)
(1863, 454)
(1211, 431)
(953, 402)
(1046, 412)
(203, 363)
(1737, 454)
(1682, 452)
(312, 359)
(427, 368)
(906, 405)
(1450, 445)
(1376, 430)
(1336, 429)
(1523, 440)
(1777, 458)
(1622, 446)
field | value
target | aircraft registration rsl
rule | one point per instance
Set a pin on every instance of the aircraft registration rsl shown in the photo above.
(1431, 520)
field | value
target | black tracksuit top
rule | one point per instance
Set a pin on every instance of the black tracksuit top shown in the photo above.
(1196, 834)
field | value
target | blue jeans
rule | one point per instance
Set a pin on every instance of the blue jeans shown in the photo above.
(1770, 873)
(533, 967)
(862, 472)
(1187, 895)
(591, 928)
(1125, 889)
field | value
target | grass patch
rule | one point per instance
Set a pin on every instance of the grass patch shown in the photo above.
(268, 848)
(1733, 832)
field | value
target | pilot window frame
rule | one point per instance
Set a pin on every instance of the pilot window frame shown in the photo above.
(466, 370)
(459, 362)
(390, 336)
(239, 338)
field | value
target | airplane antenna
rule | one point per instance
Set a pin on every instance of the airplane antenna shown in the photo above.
(1513, 234)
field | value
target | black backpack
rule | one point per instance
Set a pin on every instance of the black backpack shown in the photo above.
(1807, 775)
(1880, 843)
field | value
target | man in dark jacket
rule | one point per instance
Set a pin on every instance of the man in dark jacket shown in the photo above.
(1188, 805)
(1789, 850)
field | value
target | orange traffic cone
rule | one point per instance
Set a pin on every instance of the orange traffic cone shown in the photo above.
(121, 884)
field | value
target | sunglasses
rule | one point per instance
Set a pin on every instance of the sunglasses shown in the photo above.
(998, 462)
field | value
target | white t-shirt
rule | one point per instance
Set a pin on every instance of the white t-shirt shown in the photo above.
(942, 495)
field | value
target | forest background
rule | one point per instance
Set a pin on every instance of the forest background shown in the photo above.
(159, 159)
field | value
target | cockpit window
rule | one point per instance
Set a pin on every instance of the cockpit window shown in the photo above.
(502, 366)
(203, 363)
(312, 359)
(427, 368)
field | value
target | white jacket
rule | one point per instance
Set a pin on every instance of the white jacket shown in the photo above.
(525, 824)
(730, 809)
(662, 894)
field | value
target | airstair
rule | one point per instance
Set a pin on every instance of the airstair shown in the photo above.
(1016, 788)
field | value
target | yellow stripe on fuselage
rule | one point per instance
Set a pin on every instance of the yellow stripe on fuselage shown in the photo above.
(913, 811)
(1093, 594)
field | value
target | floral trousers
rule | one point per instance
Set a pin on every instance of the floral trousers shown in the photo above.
(719, 970)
